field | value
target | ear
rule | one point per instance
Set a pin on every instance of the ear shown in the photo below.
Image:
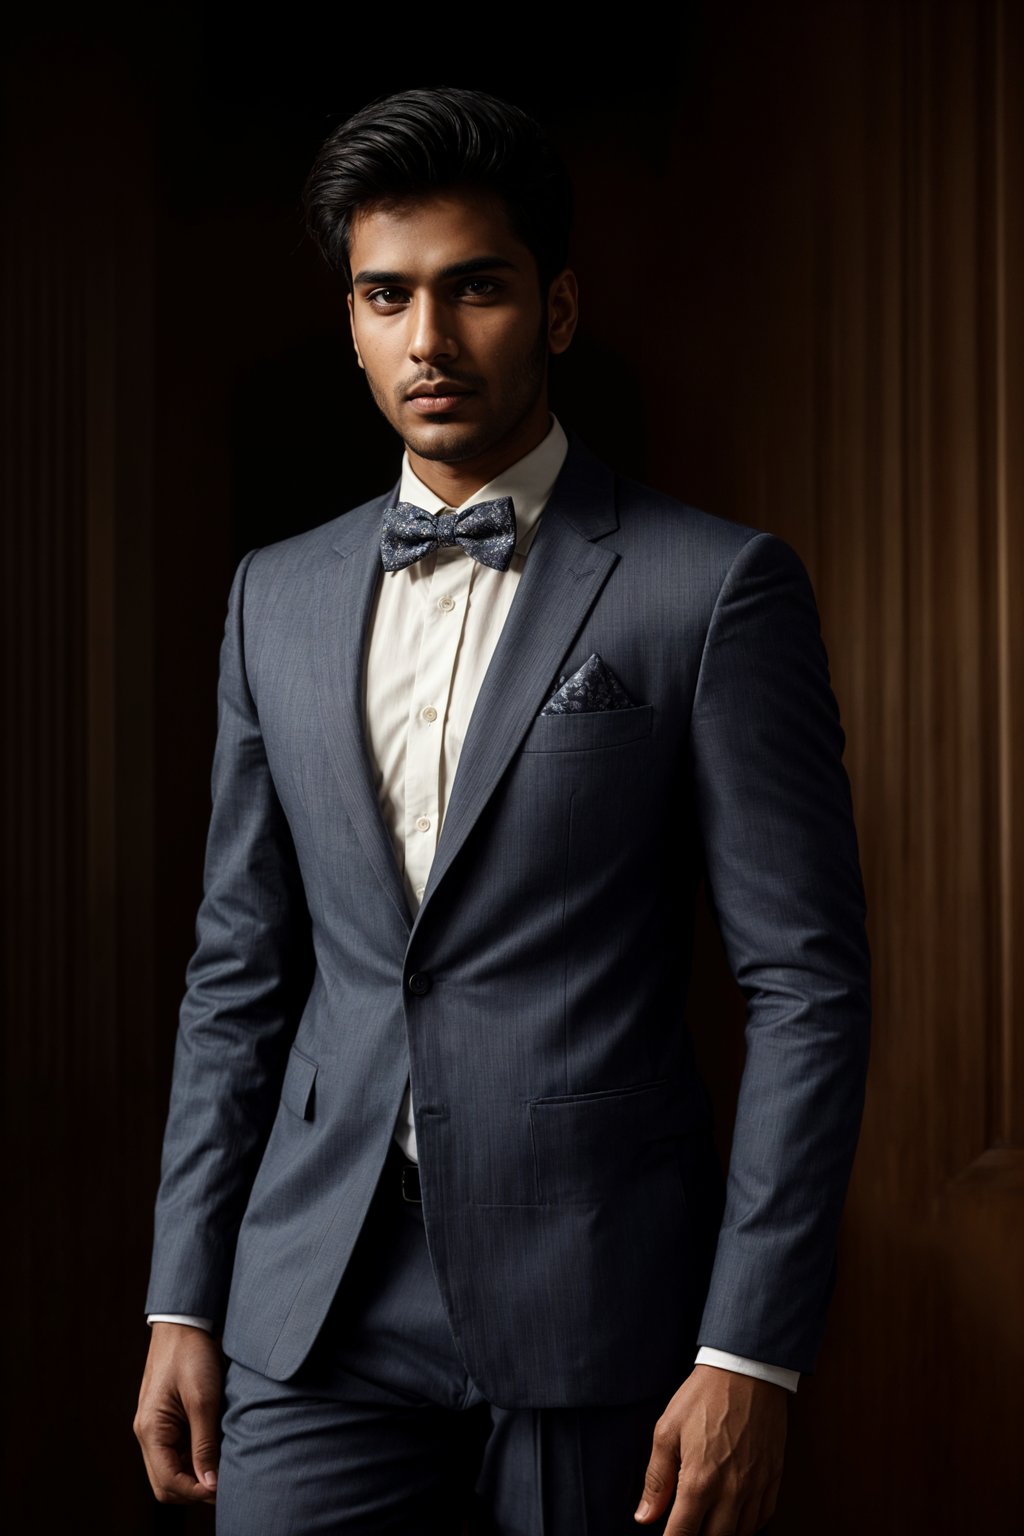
(352, 327)
(563, 310)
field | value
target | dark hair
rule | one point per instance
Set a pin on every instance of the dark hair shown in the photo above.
(420, 141)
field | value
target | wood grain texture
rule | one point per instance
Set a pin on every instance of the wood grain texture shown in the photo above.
(80, 1089)
(875, 338)
(839, 360)
(803, 306)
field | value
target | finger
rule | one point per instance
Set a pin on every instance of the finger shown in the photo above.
(731, 1517)
(749, 1522)
(203, 1409)
(695, 1498)
(161, 1434)
(721, 1523)
(769, 1500)
(169, 1480)
(688, 1511)
(661, 1475)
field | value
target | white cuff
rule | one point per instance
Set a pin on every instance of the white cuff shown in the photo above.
(726, 1362)
(181, 1317)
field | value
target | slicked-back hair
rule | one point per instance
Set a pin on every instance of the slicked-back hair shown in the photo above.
(422, 141)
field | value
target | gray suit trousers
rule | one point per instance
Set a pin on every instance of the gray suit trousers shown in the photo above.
(382, 1430)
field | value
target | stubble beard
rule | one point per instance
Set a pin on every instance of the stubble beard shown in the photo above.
(524, 385)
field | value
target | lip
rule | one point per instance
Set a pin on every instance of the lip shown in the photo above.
(441, 398)
(441, 387)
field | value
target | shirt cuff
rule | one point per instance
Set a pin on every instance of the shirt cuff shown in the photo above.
(726, 1362)
(181, 1317)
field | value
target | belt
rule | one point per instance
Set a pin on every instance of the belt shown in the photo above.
(406, 1175)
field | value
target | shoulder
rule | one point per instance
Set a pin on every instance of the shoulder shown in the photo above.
(291, 564)
(679, 544)
(657, 517)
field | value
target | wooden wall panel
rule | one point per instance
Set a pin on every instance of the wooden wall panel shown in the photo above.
(1006, 408)
(872, 333)
(80, 1096)
(803, 302)
(839, 351)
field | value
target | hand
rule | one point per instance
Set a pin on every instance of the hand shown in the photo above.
(178, 1418)
(718, 1447)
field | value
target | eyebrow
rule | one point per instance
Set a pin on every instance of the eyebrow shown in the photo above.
(457, 269)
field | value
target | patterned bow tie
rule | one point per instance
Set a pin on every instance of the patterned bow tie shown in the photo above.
(486, 530)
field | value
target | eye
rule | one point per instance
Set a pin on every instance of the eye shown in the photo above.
(479, 287)
(386, 298)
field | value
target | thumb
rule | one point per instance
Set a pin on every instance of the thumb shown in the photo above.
(204, 1433)
(661, 1477)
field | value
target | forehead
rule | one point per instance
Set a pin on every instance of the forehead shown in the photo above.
(421, 235)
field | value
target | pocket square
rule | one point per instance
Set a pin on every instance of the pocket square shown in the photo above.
(593, 686)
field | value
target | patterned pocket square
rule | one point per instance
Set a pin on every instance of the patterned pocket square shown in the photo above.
(593, 687)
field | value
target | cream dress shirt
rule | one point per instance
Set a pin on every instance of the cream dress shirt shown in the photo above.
(432, 631)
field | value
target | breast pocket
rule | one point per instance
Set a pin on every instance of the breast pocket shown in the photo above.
(588, 730)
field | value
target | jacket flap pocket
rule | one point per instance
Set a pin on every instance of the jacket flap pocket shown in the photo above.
(587, 1143)
(297, 1086)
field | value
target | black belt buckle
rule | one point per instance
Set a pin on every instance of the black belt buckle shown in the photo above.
(411, 1184)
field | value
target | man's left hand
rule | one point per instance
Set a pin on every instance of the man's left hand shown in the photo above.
(718, 1449)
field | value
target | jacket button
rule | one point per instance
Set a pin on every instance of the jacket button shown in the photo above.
(420, 983)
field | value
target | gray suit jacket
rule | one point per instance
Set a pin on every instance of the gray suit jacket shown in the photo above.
(572, 1200)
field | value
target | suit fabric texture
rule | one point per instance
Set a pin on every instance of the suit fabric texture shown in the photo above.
(571, 1198)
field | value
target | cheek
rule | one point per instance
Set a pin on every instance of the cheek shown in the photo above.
(375, 337)
(379, 360)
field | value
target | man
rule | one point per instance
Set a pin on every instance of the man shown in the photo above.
(438, 1166)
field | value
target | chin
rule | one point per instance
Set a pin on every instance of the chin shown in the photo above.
(447, 443)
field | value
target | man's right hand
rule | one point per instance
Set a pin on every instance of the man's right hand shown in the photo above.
(177, 1422)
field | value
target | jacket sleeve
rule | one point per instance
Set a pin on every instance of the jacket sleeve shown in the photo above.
(246, 985)
(783, 879)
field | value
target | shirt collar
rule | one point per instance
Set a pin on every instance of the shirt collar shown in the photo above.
(529, 481)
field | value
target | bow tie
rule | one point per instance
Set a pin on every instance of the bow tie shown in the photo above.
(486, 530)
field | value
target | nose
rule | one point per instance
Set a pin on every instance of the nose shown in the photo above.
(431, 338)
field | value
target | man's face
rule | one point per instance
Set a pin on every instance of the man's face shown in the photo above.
(452, 330)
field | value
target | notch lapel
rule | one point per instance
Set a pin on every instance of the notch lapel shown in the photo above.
(564, 572)
(345, 592)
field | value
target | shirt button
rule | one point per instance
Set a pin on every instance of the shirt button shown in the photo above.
(419, 891)
(420, 983)
(423, 823)
(430, 713)
(446, 603)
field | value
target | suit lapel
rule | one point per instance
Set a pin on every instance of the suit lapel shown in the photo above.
(563, 574)
(345, 591)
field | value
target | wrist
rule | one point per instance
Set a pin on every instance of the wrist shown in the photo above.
(739, 1381)
(180, 1333)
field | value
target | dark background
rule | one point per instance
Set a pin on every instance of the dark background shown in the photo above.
(797, 249)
